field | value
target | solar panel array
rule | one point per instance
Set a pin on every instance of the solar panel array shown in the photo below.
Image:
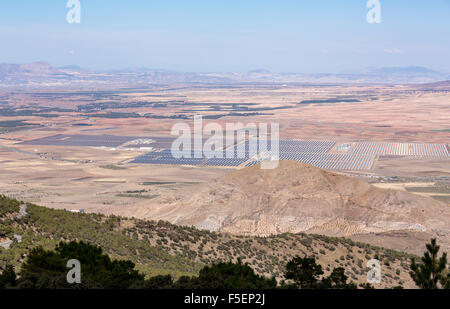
(169, 161)
(305, 146)
(310, 152)
(166, 157)
(82, 140)
(225, 162)
(401, 149)
(316, 153)
(332, 161)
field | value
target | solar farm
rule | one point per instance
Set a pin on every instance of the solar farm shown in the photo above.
(401, 149)
(110, 150)
(81, 140)
(323, 154)
(317, 153)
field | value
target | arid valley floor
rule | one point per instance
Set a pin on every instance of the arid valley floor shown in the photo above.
(75, 149)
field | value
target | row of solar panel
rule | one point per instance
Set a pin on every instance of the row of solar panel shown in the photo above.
(333, 161)
(205, 162)
(166, 143)
(402, 149)
(82, 140)
(193, 154)
(324, 161)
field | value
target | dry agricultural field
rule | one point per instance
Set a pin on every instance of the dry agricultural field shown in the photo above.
(87, 148)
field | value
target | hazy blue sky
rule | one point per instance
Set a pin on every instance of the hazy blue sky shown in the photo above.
(228, 35)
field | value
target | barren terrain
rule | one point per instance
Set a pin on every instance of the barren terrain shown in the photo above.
(102, 179)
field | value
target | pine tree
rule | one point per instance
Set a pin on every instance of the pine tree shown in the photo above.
(337, 280)
(8, 277)
(431, 271)
(304, 272)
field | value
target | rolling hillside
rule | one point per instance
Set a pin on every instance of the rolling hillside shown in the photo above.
(299, 198)
(163, 248)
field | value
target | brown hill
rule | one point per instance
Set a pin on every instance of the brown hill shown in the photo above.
(41, 71)
(300, 198)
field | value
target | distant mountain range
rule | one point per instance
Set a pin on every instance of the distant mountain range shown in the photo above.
(411, 70)
(35, 68)
(41, 74)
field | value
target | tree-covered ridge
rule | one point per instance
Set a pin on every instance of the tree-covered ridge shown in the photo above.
(46, 227)
(47, 269)
(161, 248)
(269, 255)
